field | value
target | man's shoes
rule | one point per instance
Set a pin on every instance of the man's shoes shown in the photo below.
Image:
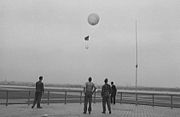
(103, 112)
(109, 112)
(84, 112)
(39, 107)
(89, 112)
(32, 106)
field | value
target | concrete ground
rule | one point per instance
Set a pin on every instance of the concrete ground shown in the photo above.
(76, 110)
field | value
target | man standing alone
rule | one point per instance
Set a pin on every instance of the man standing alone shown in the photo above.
(113, 93)
(105, 93)
(89, 89)
(38, 93)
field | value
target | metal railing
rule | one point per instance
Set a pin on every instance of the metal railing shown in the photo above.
(77, 96)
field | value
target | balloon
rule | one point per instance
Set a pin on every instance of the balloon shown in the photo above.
(93, 19)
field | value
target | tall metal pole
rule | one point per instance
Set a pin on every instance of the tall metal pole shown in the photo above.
(136, 54)
(136, 75)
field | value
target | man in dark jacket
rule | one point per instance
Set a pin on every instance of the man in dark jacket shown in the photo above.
(105, 93)
(113, 93)
(38, 93)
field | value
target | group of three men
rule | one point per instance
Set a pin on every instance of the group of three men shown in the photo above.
(108, 94)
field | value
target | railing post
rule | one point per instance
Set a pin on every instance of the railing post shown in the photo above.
(80, 97)
(65, 97)
(94, 97)
(153, 100)
(121, 97)
(171, 101)
(7, 98)
(48, 97)
(136, 98)
(29, 94)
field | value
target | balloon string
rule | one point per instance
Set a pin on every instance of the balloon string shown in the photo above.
(86, 45)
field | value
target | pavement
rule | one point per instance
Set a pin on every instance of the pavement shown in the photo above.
(76, 110)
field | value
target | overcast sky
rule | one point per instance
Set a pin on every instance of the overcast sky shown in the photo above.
(46, 37)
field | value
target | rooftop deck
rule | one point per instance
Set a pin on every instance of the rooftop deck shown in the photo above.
(76, 110)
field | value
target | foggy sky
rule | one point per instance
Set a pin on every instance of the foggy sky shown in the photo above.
(46, 37)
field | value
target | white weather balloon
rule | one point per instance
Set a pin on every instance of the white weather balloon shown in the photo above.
(93, 19)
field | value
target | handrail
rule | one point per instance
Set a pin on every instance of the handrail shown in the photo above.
(76, 96)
